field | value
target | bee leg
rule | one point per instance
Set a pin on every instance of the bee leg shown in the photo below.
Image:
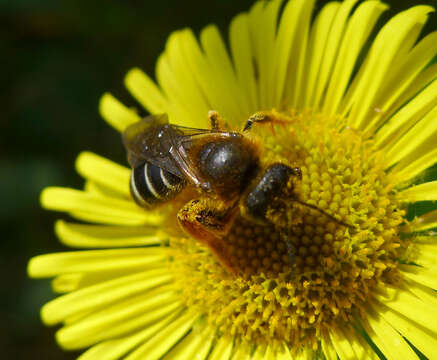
(267, 117)
(290, 250)
(209, 225)
(216, 121)
(257, 117)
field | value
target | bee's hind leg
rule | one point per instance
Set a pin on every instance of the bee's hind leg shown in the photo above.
(216, 121)
(285, 236)
(208, 225)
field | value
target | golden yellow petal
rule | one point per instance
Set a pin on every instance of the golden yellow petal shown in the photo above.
(105, 172)
(422, 192)
(146, 92)
(101, 295)
(96, 260)
(222, 349)
(394, 345)
(101, 236)
(330, 54)
(195, 345)
(118, 347)
(116, 114)
(120, 319)
(317, 43)
(242, 56)
(155, 347)
(394, 40)
(109, 210)
(421, 338)
(402, 75)
(358, 30)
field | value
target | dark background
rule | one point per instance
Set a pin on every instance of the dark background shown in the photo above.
(57, 58)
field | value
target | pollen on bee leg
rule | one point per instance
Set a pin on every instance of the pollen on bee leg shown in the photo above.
(208, 224)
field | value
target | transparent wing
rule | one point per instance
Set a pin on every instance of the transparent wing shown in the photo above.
(154, 140)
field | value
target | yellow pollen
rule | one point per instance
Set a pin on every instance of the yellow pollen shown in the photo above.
(311, 268)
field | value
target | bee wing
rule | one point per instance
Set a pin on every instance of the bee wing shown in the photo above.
(143, 144)
(150, 140)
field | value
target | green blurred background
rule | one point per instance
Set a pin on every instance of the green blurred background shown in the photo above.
(57, 58)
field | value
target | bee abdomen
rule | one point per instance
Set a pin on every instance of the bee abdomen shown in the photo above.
(151, 185)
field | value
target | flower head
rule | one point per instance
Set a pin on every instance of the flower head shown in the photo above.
(335, 269)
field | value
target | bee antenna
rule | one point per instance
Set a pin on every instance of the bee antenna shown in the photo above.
(324, 213)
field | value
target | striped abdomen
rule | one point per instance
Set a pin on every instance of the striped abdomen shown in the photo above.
(151, 185)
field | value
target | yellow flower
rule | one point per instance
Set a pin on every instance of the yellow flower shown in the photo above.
(360, 122)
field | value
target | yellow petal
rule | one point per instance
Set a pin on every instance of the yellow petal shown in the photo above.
(357, 32)
(222, 75)
(101, 295)
(118, 347)
(114, 211)
(330, 54)
(195, 345)
(407, 116)
(423, 340)
(413, 165)
(426, 255)
(424, 293)
(316, 48)
(349, 344)
(427, 277)
(242, 352)
(71, 282)
(262, 21)
(163, 341)
(116, 114)
(403, 74)
(422, 192)
(97, 236)
(146, 92)
(421, 82)
(119, 319)
(284, 354)
(190, 95)
(259, 353)
(222, 349)
(410, 306)
(65, 283)
(178, 111)
(425, 222)
(100, 190)
(361, 346)
(394, 347)
(421, 138)
(242, 55)
(328, 349)
(295, 81)
(105, 172)
(95, 260)
(395, 39)
(342, 345)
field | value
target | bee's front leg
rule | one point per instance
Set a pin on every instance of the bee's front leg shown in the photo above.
(208, 224)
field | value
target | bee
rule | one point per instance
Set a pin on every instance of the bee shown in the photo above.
(222, 166)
